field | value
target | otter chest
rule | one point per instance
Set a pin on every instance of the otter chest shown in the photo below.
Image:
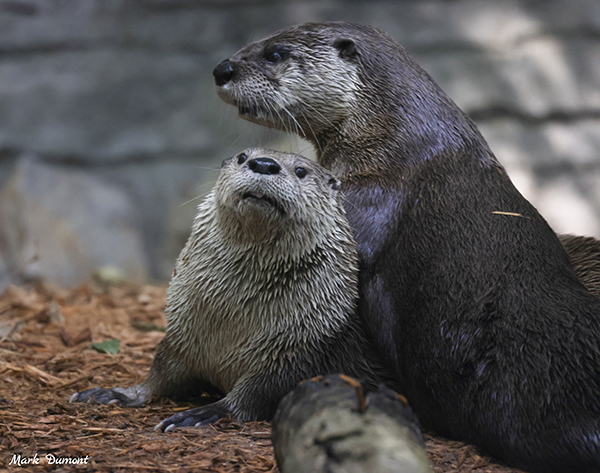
(222, 315)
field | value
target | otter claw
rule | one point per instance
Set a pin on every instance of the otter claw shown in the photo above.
(130, 397)
(160, 426)
(194, 417)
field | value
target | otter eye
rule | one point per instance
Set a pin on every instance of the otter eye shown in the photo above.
(301, 172)
(242, 158)
(275, 54)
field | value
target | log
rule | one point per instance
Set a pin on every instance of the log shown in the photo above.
(328, 424)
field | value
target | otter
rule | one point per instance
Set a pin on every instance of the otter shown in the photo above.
(464, 288)
(263, 295)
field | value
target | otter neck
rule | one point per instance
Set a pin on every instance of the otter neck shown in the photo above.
(389, 135)
(256, 234)
(349, 156)
(248, 231)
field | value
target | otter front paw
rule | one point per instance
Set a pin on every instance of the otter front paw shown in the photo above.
(194, 417)
(130, 397)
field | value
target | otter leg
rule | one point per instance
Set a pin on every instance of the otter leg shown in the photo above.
(198, 416)
(127, 397)
(254, 397)
(167, 377)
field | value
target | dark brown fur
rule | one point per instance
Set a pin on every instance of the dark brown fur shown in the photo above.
(465, 289)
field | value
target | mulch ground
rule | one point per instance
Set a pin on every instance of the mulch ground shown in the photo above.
(46, 335)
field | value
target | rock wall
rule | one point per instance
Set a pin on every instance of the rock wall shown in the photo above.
(110, 129)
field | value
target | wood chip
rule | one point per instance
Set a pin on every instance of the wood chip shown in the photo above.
(43, 366)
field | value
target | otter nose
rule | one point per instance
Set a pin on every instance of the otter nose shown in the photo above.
(264, 166)
(223, 72)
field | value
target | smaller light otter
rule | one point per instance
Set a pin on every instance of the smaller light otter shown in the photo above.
(263, 295)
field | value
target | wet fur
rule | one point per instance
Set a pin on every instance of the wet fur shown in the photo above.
(467, 292)
(263, 296)
(585, 257)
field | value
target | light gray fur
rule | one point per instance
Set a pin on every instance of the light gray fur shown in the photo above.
(227, 311)
(262, 296)
(313, 93)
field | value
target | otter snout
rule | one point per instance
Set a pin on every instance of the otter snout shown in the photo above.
(223, 73)
(264, 166)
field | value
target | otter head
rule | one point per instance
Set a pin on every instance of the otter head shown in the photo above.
(351, 90)
(302, 79)
(270, 192)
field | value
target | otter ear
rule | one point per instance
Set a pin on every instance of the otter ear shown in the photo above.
(346, 48)
(334, 183)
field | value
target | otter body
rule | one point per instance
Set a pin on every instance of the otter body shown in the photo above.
(263, 295)
(465, 289)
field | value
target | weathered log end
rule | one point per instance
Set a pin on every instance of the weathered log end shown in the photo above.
(329, 424)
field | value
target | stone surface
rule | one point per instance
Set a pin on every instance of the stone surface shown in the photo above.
(113, 101)
(49, 226)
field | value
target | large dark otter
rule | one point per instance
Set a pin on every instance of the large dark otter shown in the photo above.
(263, 295)
(466, 290)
